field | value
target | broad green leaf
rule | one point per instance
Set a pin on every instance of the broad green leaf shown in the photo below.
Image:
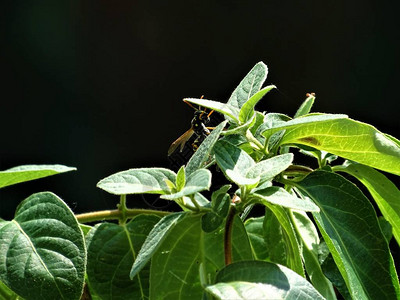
(223, 108)
(344, 137)
(308, 234)
(276, 239)
(111, 253)
(257, 237)
(250, 85)
(138, 181)
(43, 251)
(219, 210)
(305, 107)
(234, 162)
(247, 110)
(202, 154)
(267, 169)
(261, 280)
(30, 172)
(350, 228)
(279, 196)
(198, 181)
(174, 272)
(154, 240)
(384, 192)
(293, 252)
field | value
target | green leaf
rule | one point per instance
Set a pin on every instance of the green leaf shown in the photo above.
(344, 137)
(386, 228)
(138, 181)
(198, 181)
(305, 107)
(6, 293)
(308, 234)
(278, 196)
(242, 128)
(234, 162)
(154, 240)
(350, 228)
(180, 178)
(332, 272)
(267, 169)
(223, 108)
(247, 110)
(43, 251)
(257, 237)
(30, 172)
(219, 209)
(272, 120)
(111, 253)
(203, 152)
(384, 192)
(261, 280)
(293, 252)
(250, 85)
(174, 272)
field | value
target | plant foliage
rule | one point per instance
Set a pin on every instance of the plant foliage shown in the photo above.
(318, 237)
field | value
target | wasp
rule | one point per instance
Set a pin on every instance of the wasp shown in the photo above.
(198, 127)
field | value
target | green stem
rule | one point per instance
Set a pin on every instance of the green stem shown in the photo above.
(122, 208)
(251, 138)
(116, 214)
(195, 202)
(228, 235)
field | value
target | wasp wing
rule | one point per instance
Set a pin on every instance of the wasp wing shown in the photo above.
(180, 141)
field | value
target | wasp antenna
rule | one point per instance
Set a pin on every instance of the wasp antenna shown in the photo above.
(209, 114)
(188, 103)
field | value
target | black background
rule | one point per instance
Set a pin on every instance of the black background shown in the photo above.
(98, 85)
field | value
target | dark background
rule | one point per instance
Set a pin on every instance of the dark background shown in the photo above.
(98, 85)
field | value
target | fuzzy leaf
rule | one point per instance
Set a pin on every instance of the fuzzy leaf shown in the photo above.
(278, 196)
(247, 110)
(250, 85)
(198, 181)
(234, 162)
(305, 107)
(203, 152)
(223, 108)
(267, 169)
(261, 280)
(43, 251)
(154, 240)
(174, 272)
(111, 253)
(138, 181)
(30, 172)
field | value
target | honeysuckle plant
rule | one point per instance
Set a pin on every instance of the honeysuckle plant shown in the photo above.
(319, 236)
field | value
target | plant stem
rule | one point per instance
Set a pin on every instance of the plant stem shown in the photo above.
(228, 235)
(116, 214)
(122, 208)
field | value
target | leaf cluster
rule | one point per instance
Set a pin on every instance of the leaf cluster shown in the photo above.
(319, 237)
